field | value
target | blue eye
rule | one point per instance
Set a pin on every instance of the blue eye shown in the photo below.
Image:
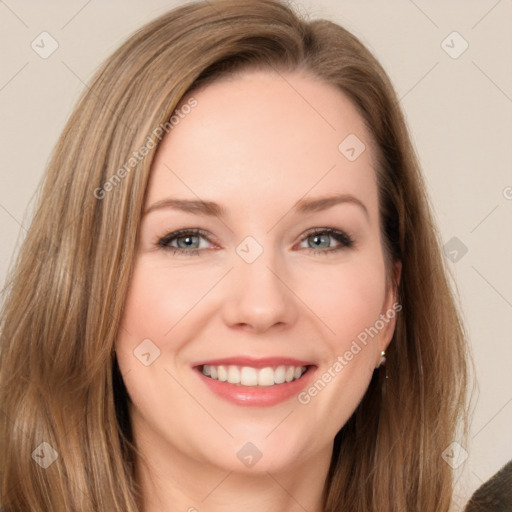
(320, 236)
(188, 241)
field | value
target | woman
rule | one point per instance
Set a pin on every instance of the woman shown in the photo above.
(232, 295)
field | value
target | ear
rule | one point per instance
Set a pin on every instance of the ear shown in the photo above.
(391, 306)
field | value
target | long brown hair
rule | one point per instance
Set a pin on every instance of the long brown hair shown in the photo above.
(59, 379)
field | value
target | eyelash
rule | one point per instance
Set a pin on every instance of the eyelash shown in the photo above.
(344, 239)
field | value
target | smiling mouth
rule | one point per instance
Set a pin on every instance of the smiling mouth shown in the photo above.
(268, 376)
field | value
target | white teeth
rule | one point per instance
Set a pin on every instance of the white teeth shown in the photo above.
(222, 373)
(248, 376)
(233, 375)
(280, 375)
(266, 377)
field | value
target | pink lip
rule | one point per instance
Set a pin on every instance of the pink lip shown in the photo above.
(254, 362)
(256, 396)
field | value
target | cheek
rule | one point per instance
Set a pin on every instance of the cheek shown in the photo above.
(350, 304)
(160, 297)
(350, 299)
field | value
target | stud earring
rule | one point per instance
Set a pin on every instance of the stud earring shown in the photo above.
(382, 360)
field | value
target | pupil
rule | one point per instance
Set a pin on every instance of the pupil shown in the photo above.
(187, 240)
(318, 238)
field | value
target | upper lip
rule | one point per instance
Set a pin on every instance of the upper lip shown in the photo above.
(254, 362)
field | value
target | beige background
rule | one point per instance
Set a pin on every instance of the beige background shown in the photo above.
(459, 111)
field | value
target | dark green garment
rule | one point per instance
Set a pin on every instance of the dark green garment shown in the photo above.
(495, 495)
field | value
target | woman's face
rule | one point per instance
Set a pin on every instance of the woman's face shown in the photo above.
(287, 273)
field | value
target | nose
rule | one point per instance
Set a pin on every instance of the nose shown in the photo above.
(259, 297)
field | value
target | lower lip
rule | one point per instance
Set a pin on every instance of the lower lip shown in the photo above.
(257, 396)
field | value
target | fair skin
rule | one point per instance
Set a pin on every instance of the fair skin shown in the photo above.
(255, 144)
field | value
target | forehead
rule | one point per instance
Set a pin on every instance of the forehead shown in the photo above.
(263, 136)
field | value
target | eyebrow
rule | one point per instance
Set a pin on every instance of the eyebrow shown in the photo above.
(212, 209)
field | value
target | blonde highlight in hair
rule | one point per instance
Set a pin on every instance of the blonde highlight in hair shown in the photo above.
(59, 378)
